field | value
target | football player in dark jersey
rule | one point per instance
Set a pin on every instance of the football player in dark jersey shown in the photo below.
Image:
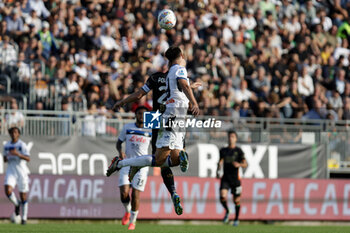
(232, 158)
(157, 83)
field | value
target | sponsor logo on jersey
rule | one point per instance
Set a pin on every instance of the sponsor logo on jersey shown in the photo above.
(135, 138)
(170, 101)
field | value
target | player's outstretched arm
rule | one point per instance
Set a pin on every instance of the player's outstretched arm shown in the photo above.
(131, 98)
(189, 94)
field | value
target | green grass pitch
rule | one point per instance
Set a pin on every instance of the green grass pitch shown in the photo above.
(160, 228)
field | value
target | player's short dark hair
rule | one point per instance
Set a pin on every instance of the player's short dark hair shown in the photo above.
(231, 131)
(173, 53)
(140, 108)
(10, 130)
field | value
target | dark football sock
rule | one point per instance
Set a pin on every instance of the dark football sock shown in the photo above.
(237, 211)
(224, 204)
(168, 179)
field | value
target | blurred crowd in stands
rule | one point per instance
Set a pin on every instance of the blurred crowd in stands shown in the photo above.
(263, 58)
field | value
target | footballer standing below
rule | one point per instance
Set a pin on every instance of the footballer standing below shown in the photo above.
(231, 158)
(16, 155)
(137, 140)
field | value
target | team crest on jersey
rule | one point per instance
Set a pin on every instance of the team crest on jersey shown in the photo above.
(181, 72)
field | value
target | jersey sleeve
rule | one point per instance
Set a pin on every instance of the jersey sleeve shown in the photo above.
(240, 155)
(222, 154)
(25, 150)
(5, 152)
(149, 85)
(122, 135)
(181, 73)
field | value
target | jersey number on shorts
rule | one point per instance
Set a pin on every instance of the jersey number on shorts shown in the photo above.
(140, 182)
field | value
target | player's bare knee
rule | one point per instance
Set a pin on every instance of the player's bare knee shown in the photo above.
(175, 159)
(8, 190)
(23, 196)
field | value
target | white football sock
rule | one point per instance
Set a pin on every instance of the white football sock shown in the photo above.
(141, 161)
(24, 210)
(133, 216)
(13, 199)
(127, 207)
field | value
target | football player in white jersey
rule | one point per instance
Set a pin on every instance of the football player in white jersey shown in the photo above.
(137, 140)
(16, 155)
(170, 140)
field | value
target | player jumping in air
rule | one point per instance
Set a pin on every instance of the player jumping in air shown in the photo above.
(16, 155)
(137, 141)
(232, 157)
(169, 141)
(156, 83)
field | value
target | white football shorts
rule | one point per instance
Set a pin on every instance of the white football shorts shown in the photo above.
(171, 139)
(139, 181)
(12, 178)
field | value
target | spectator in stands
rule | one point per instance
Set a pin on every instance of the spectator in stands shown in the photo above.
(3, 29)
(23, 75)
(41, 85)
(107, 41)
(305, 83)
(346, 115)
(342, 51)
(65, 125)
(15, 118)
(47, 40)
(39, 7)
(101, 119)
(340, 81)
(225, 46)
(83, 21)
(249, 21)
(8, 54)
(317, 112)
(15, 23)
(89, 123)
(243, 93)
(34, 20)
(50, 68)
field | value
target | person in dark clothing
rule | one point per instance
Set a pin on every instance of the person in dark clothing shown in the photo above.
(231, 158)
